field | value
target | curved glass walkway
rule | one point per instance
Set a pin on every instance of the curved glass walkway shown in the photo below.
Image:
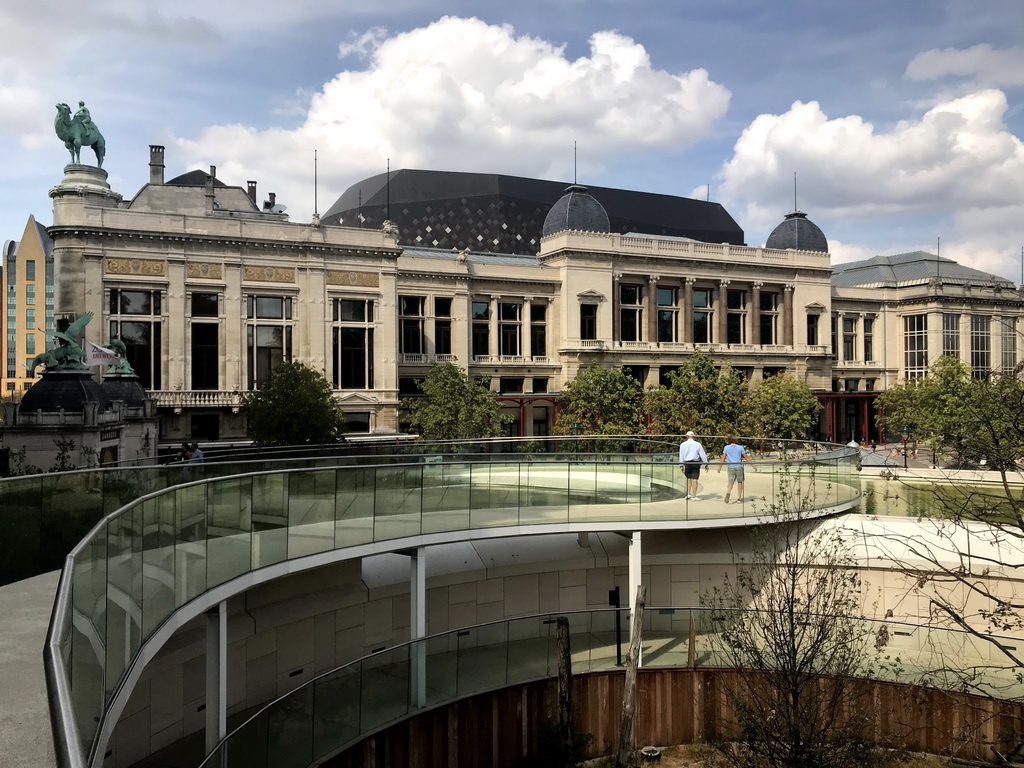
(168, 556)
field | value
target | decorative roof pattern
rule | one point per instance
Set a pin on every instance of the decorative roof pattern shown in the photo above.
(914, 268)
(505, 214)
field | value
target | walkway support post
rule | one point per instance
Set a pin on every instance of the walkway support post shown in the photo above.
(418, 626)
(635, 578)
(216, 675)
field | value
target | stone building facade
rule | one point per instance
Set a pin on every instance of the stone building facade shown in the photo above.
(210, 290)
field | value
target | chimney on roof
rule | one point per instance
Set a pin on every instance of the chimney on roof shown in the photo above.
(268, 205)
(252, 191)
(210, 199)
(156, 164)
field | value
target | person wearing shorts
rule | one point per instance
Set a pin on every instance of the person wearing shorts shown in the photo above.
(733, 456)
(691, 457)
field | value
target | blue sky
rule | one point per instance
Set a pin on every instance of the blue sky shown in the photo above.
(902, 121)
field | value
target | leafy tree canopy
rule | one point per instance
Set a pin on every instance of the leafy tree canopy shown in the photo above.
(780, 406)
(455, 407)
(700, 396)
(601, 401)
(293, 406)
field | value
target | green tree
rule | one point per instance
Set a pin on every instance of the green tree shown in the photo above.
(700, 397)
(780, 406)
(293, 406)
(601, 401)
(455, 407)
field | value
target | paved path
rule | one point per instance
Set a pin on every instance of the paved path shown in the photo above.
(25, 740)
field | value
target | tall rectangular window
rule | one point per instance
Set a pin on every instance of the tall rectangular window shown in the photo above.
(951, 334)
(915, 346)
(352, 336)
(668, 315)
(812, 330)
(205, 358)
(442, 325)
(981, 346)
(736, 318)
(30, 344)
(410, 325)
(702, 316)
(481, 338)
(769, 314)
(268, 336)
(205, 343)
(30, 294)
(869, 340)
(30, 319)
(1008, 343)
(588, 321)
(631, 312)
(30, 269)
(135, 318)
(510, 328)
(539, 330)
(849, 338)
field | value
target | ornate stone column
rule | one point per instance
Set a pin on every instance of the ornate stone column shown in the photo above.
(721, 313)
(755, 313)
(652, 309)
(687, 313)
(615, 340)
(787, 315)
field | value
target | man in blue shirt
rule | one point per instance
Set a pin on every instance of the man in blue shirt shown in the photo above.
(735, 454)
(691, 456)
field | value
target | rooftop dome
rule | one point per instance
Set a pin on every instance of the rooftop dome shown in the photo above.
(576, 210)
(63, 391)
(799, 232)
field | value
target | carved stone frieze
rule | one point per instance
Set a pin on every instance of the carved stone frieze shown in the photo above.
(347, 277)
(205, 270)
(147, 267)
(269, 274)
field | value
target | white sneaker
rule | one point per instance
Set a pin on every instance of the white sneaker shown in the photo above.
(696, 498)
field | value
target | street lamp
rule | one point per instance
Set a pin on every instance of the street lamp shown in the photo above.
(905, 430)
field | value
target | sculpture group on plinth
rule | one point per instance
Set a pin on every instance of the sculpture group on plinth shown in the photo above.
(79, 131)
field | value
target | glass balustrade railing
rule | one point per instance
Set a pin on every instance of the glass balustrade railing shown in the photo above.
(338, 708)
(159, 554)
(46, 515)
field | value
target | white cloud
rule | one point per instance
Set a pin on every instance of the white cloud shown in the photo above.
(23, 113)
(957, 158)
(985, 65)
(460, 94)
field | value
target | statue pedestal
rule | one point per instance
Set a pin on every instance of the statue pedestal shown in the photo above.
(85, 180)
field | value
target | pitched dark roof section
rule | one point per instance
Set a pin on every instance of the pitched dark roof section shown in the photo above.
(914, 268)
(194, 179)
(497, 213)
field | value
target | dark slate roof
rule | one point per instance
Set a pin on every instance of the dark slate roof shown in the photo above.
(576, 211)
(493, 212)
(194, 179)
(914, 268)
(62, 390)
(797, 231)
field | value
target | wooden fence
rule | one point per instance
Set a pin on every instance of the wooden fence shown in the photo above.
(674, 706)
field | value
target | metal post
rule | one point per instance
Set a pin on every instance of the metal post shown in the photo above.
(614, 600)
(418, 627)
(216, 675)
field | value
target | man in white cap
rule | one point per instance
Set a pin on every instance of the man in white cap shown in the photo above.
(691, 456)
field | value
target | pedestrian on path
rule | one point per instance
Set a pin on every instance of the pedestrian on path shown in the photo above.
(691, 456)
(735, 454)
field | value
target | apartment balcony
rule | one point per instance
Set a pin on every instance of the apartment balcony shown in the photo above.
(196, 398)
